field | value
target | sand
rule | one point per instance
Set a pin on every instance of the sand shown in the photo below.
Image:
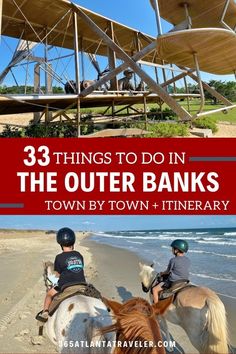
(22, 289)
(119, 268)
(225, 130)
(21, 119)
(113, 271)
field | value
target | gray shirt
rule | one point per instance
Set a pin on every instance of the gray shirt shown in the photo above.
(179, 268)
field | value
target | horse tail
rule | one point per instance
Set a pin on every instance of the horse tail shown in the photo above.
(215, 336)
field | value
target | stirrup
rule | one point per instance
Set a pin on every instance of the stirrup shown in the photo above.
(40, 318)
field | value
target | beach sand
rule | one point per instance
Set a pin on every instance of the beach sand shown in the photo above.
(113, 271)
(118, 275)
(22, 289)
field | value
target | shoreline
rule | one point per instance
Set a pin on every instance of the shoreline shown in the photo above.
(117, 277)
(117, 265)
(114, 271)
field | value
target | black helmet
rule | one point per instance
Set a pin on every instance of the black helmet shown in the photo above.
(66, 237)
(180, 245)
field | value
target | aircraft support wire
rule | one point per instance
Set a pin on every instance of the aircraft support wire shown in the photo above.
(180, 111)
(222, 19)
(148, 49)
(112, 58)
(158, 17)
(62, 111)
(76, 50)
(199, 84)
(159, 29)
(187, 91)
(208, 88)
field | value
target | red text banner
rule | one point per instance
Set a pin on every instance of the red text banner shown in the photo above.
(118, 176)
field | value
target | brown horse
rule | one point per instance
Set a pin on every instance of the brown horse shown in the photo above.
(136, 326)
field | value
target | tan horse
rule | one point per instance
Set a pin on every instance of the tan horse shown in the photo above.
(136, 322)
(199, 311)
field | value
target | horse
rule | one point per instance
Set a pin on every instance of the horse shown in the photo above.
(74, 327)
(136, 326)
(198, 310)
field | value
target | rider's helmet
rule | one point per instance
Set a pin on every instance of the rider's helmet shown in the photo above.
(66, 237)
(180, 245)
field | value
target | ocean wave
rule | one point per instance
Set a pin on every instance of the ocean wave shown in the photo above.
(196, 238)
(178, 232)
(103, 234)
(138, 243)
(139, 232)
(207, 252)
(171, 238)
(225, 295)
(213, 253)
(132, 232)
(202, 233)
(230, 234)
(212, 277)
(128, 237)
(221, 243)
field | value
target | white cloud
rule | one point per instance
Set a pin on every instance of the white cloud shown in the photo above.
(88, 223)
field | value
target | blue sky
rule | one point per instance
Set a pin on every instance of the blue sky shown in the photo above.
(133, 13)
(114, 223)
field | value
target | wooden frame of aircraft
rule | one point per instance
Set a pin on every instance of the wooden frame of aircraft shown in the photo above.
(65, 24)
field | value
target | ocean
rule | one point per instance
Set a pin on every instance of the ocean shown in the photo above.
(212, 252)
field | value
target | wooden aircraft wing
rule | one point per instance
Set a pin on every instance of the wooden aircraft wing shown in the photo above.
(203, 13)
(52, 21)
(214, 47)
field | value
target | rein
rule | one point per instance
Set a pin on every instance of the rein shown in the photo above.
(47, 282)
(154, 282)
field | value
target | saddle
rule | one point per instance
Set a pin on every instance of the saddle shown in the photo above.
(71, 290)
(175, 288)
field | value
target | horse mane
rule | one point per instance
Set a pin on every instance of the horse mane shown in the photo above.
(147, 274)
(136, 321)
(46, 265)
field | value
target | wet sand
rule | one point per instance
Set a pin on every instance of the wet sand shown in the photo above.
(119, 269)
(113, 271)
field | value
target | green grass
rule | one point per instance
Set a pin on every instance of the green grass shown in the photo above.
(165, 129)
(230, 116)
